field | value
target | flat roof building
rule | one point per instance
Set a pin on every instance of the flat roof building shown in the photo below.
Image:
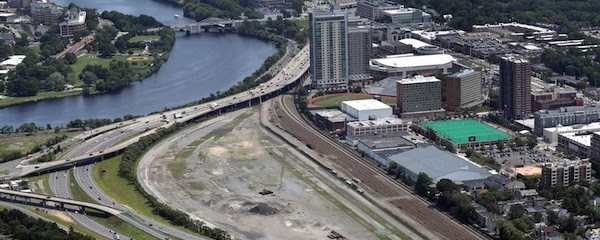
(406, 16)
(405, 66)
(331, 119)
(551, 134)
(73, 23)
(577, 142)
(12, 61)
(566, 173)
(366, 109)
(46, 12)
(373, 10)
(464, 89)
(359, 51)
(419, 94)
(565, 116)
(377, 126)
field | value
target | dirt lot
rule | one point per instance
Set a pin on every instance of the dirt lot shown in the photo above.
(217, 172)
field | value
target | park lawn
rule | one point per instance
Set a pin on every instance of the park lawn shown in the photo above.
(111, 221)
(302, 23)
(141, 38)
(39, 97)
(24, 144)
(35, 49)
(88, 60)
(336, 101)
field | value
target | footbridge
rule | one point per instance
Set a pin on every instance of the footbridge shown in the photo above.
(208, 25)
(60, 202)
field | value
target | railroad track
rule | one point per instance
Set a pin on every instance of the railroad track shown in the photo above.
(375, 178)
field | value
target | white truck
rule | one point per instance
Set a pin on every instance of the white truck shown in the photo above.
(213, 105)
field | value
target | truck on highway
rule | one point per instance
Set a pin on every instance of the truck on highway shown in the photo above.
(178, 115)
(213, 105)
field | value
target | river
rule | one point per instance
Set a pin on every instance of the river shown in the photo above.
(198, 66)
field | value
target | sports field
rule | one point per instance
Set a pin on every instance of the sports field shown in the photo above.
(461, 131)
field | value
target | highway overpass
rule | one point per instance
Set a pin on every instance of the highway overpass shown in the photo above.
(43, 199)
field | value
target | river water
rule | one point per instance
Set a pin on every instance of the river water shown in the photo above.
(198, 66)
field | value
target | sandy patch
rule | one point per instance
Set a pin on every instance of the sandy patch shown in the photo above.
(63, 216)
(218, 151)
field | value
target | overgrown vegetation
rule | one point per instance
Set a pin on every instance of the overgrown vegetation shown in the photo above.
(18, 225)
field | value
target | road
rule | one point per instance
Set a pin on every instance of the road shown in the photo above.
(60, 186)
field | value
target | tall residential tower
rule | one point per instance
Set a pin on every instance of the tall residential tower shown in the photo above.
(328, 31)
(515, 87)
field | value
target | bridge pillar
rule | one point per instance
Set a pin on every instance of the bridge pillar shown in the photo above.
(82, 209)
(61, 205)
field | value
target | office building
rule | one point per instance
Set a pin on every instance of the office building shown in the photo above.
(515, 87)
(405, 66)
(565, 173)
(464, 89)
(373, 10)
(75, 22)
(328, 32)
(359, 50)
(10, 18)
(565, 116)
(551, 134)
(331, 119)
(46, 12)
(419, 94)
(377, 126)
(366, 109)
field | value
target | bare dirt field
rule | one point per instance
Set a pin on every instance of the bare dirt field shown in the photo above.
(217, 172)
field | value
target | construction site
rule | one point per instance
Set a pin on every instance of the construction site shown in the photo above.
(235, 175)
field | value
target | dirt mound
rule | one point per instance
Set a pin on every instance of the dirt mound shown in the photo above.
(263, 209)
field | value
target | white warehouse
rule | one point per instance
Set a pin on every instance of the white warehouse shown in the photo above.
(363, 109)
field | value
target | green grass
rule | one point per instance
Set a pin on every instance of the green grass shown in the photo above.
(45, 183)
(87, 60)
(141, 38)
(35, 49)
(39, 97)
(302, 23)
(336, 101)
(112, 222)
(459, 131)
(24, 144)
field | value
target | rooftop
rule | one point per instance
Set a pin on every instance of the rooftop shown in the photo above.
(333, 115)
(414, 61)
(581, 138)
(377, 122)
(439, 164)
(387, 141)
(414, 42)
(385, 87)
(568, 110)
(462, 73)
(418, 79)
(591, 127)
(13, 60)
(366, 104)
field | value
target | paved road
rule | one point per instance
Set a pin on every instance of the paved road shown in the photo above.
(60, 186)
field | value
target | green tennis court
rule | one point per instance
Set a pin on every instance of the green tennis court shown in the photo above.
(466, 131)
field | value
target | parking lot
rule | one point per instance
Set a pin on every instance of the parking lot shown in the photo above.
(522, 157)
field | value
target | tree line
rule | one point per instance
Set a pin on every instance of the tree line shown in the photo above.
(572, 63)
(565, 15)
(202, 9)
(127, 170)
(16, 224)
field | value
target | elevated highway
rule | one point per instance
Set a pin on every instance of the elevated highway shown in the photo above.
(293, 72)
(27, 197)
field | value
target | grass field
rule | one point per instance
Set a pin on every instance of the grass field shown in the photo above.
(141, 38)
(39, 97)
(35, 49)
(24, 144)
(87, 60)
(336, 100)
(459, 131)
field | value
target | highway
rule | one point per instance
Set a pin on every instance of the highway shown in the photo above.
(60, 186)
(115, 137)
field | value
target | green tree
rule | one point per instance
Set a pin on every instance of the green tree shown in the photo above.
(89, 78)
(392, 168)
(516, 211)
(552, 217)
(422, 184)
(70, 58)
